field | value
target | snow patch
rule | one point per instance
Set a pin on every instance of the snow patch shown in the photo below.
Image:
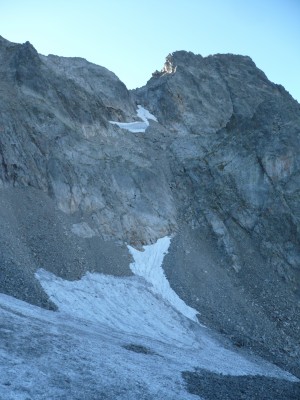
(148, 264)
(124, 304)
(137, 126)
(99, 314)
(144, 114)
(143, 310)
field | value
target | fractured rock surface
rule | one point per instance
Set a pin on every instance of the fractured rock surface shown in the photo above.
(219, 171)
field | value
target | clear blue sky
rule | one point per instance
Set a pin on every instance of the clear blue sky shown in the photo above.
(133, 37)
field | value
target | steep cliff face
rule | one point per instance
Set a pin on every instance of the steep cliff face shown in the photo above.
(56, 137)
(234, 151)
(235, 162)
(218, 170)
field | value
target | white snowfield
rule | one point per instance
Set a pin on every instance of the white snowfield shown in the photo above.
(137, 126)
(146, 307)
(82, 346)
(148, 265)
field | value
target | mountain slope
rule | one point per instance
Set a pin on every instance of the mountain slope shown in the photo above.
(85, 170)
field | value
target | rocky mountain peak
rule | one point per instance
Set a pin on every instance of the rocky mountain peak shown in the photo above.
(4, 42)
(216, 168)
(169, 66)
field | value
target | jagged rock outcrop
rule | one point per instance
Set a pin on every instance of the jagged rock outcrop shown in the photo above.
(236, 135)
(56, 137)
(235, 160)
(219, 171)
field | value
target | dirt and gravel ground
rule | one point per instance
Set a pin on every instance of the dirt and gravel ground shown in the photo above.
(35, 234)
(41, 236)
(210, 386)
(242, 305)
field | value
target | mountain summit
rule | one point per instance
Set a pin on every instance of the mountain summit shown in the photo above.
(206, 153)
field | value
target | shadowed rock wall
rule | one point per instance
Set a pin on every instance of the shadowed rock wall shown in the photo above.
(219, 172)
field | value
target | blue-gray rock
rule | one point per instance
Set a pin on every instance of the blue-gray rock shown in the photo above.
(219, 171)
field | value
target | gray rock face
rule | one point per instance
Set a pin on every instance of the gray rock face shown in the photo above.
(235, 160)
(238, 145)
(219, 171)
(56, 137)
